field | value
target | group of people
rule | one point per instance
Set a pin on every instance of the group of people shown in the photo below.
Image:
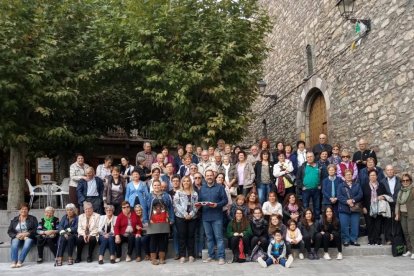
(264, 204)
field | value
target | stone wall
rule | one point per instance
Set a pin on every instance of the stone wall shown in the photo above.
(369, 90)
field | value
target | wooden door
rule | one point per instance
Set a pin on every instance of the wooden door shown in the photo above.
(317, 119)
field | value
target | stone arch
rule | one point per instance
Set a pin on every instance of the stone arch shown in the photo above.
(309, 91)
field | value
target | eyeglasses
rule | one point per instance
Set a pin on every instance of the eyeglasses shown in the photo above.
(346, 156)
(406, 180)
(197, 177)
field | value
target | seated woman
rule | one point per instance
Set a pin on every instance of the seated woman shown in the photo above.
(329, 233)
(276, 223)
(22, 232)
(143, 241)
(158, 215)
(272, 206)
(252, 202)
(294, 238)
(309, 227)
(239, 203)
(68, 231)
(47, 233)
(292, 208)
(259, 230)
(126, 231)
(239, 229)
(106, 234)
(88, 232)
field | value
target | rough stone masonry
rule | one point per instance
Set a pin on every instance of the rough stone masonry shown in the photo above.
(368, 90)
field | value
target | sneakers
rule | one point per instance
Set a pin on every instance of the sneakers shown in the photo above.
(128, 258)
(208, 260)
(289, 261)
(117, 260)
(326, 256)
(182, 260)
(407, 254)
(191, 259)
(412, 257)
(262, 262)
(339, 256)
(301, 257)
(221, 261)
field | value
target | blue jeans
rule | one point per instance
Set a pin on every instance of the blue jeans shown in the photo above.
(199, 237)
(315, 194)
(176, 240)
(107, 243)
(269, 261)
(263, 190)
(14, 250)
(143, 241)
(349, 226)
(214, 232)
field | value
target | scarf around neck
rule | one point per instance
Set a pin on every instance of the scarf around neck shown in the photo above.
(48, 223)
(404, 194)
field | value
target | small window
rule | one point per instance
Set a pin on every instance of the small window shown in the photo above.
(309, 59)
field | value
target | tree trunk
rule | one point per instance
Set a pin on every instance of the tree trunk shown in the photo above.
(17, 180)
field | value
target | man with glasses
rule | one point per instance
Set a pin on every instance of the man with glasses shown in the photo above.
(214, 198)
(360, 157)
(322, 146)
(392, 186)
(308, 180)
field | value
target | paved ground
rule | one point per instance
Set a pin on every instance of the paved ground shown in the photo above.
(354, 266)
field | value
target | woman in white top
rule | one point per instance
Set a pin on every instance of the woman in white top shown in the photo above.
(284, 180)
(103, 170)
(77, 172)
(244, 173)
(272, 206)
(106, 234)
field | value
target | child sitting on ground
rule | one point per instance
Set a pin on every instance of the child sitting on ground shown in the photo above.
(276, 252)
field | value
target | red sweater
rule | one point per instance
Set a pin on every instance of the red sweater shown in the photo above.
(121, 224)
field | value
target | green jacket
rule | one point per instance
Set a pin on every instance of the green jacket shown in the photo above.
(247, 232)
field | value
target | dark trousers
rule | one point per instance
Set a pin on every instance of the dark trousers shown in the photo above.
(66, 242)
(314, 195)
(309, 241)
(263, 242)
(117, 208)
(326, 242)
(234, 245)
(186, 235)
(80, 243)
(142, 242)
(97, 204)
(300, 246)
(130, 239)
(374, 229)
(158, 242)
(42, 241)
(73, 196)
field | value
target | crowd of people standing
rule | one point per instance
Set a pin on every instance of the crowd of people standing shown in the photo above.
(264, 204)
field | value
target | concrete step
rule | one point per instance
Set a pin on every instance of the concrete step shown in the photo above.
(48, 256)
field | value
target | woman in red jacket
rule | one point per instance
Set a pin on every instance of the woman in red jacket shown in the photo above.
(126, 230)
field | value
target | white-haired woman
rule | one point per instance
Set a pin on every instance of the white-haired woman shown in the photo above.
(68, 229)
(47, 233)
(106, 234)
(88, 232)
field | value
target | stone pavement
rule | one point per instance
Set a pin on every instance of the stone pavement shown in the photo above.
(355, 266)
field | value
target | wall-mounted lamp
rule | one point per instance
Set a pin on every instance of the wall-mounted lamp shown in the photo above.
(262, 89)
(346, 9)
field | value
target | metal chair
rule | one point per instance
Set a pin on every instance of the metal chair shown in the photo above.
(35, 191)
(61, 190)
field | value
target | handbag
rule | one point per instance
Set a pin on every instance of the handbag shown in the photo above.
(398, 244)
(257, 253)
(357, 208)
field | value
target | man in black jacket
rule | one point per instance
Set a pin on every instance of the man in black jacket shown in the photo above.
(360, 157)
(91, 189)
(392, 185)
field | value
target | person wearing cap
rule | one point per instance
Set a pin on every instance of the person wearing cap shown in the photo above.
(68, 230)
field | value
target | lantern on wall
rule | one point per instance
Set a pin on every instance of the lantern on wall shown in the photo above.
(346, 7)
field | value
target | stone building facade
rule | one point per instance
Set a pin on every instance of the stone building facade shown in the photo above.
(363, 90)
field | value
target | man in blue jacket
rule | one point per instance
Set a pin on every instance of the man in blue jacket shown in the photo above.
(214, 198)
(91, 189)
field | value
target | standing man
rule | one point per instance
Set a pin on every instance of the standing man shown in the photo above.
(360, 157)
(149, 155)
(215, 198)
(322, 146)
(91, 189)
(254, 155)
(167, 177)
(392, 186)
(220, 146)
(205, 163)
(308, 180)
(189, 150)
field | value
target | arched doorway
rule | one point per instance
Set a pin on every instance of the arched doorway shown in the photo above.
(317, 117)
